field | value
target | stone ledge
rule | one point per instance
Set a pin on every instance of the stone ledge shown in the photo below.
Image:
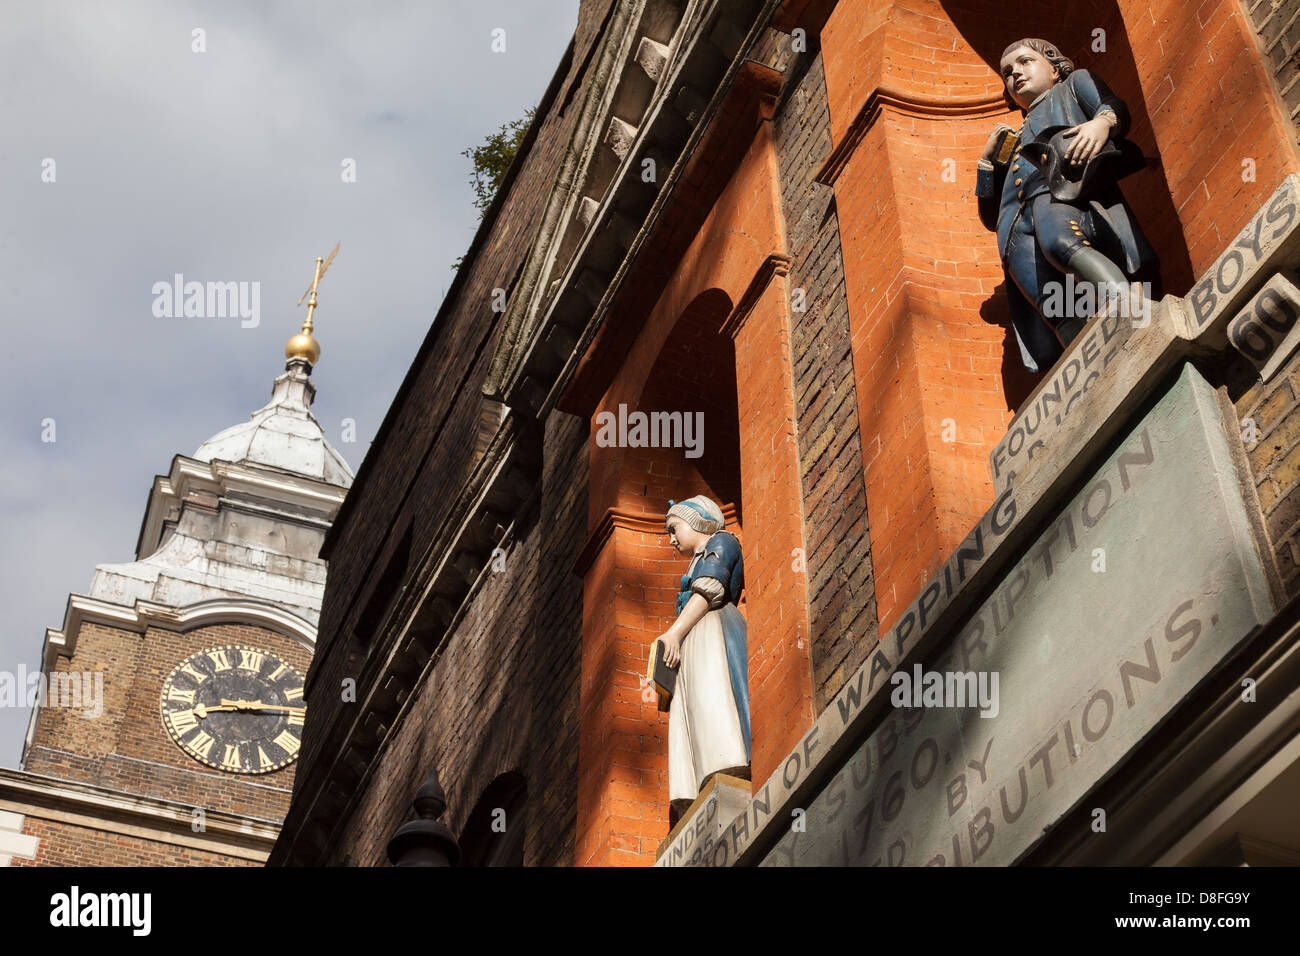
(114, 811)
(722, 800)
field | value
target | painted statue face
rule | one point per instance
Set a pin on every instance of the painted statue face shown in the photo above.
(681, 535)
(1027, 75)
(675, 526)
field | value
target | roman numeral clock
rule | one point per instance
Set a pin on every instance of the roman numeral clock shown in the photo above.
(235, 708)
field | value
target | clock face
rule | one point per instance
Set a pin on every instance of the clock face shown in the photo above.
(235, 708)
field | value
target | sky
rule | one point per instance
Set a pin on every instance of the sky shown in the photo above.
(221, 164)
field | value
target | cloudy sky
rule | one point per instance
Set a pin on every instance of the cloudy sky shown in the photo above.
(223, 165)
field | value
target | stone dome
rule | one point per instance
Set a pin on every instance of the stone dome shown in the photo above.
(283, 434)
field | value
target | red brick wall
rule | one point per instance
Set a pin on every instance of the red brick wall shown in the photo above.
(776, 559)
(919, 271)
(67, 844)
(623, 754)
(922, 275)
(1212, 106)
(742, 229)
(504, 697)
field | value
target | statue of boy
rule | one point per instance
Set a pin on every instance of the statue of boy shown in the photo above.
(1051, 194)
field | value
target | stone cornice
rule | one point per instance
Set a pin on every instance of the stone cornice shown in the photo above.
(115, 811)
(775, 264)
(750, 98)
(929, 107)
(607, 67)
(137, 617)
(219, 479)
(745, 79)
(631, 521)
(557, 326)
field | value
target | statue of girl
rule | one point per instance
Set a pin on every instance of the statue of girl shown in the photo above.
(1064, 148)
(708, 719)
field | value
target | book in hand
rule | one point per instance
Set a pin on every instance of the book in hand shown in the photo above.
(660, 676)
(1006, 145)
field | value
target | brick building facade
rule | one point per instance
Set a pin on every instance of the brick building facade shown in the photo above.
(227, 559)
(765, 212)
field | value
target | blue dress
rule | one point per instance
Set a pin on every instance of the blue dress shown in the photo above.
(708, 720)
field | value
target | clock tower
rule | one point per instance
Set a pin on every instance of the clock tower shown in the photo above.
(169, 709)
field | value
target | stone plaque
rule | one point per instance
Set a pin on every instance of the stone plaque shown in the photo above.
(1267, 332)
(1100, 368)
(1267, 244)
(692, 840)
(1133, 592)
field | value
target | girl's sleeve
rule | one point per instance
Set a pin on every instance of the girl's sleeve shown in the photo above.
(713, 571)
(712, 590)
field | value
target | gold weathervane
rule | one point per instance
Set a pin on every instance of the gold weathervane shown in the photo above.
(304, 345)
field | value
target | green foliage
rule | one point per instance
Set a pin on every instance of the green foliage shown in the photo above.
(493, 158)
(490, 162)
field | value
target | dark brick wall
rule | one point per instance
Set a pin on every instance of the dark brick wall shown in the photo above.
(504, 694)
(1274, 410)
(422, 456)
(1277, 24)
(841, 591)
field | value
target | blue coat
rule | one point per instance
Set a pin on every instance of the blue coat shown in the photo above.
(1079, 98)
(1003, 201)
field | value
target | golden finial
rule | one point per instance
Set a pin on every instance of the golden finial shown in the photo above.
(304, 345)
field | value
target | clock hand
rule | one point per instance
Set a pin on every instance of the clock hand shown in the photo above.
(258, 705)
(202, 710)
